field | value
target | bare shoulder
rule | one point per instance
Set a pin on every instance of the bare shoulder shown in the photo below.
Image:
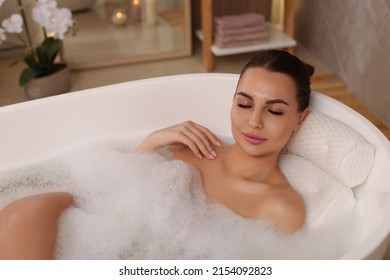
(182, 152)
(284, 206)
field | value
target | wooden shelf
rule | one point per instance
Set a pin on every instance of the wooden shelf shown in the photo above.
(277, 40)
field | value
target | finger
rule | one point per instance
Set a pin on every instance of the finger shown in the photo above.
(183, 138)
(207, 138)
(211, 136)
(200, 140)
(204, 142)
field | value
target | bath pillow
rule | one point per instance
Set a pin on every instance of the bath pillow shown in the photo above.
(335, 147)
(325, 197)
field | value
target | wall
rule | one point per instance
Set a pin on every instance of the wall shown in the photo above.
(229, 7)
(352, 38)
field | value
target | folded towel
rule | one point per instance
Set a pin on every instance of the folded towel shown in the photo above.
(238, 31)
(239, 43)
(259, 36)
(238, 21)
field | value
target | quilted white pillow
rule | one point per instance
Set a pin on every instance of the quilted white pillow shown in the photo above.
(335, 147)
(325, 197)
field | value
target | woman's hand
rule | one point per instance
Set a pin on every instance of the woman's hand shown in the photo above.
(198, 138)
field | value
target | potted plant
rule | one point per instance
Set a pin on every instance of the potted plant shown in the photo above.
(44, 75)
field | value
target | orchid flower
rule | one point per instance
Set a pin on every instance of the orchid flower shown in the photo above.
(13, 24)
(56, 21)
(48, 3)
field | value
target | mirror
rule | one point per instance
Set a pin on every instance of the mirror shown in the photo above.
(113, 32)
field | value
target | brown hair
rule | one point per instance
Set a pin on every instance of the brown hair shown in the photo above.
(286, 63)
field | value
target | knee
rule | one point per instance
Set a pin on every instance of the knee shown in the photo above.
(29, 226)
(47, 203)
(36, 205)
(60, 200)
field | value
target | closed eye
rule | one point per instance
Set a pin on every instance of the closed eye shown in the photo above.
(244, 106)
(277, 113)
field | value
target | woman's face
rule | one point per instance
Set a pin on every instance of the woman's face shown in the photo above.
(265, 111)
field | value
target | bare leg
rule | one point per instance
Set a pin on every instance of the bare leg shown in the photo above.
(29, 226)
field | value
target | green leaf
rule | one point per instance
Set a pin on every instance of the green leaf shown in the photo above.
(43, 59)
(29, 59)
(42, 62)
(41, 55)
(47, 53)
(27, 75)
(53, 48)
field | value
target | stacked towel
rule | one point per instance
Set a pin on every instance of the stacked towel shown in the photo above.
(239, 30)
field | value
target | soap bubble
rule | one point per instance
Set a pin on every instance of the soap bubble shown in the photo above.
(148, 206)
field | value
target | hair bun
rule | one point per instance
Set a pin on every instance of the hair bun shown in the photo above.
(310, 69)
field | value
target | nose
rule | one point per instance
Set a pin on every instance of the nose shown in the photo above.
(256, 120)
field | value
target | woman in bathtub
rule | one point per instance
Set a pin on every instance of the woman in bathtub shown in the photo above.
(270, 103)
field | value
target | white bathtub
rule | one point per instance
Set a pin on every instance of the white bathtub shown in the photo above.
(34, 130)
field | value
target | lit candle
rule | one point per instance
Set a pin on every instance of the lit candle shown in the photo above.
(135, 10)
(151, 12)
(119, 17)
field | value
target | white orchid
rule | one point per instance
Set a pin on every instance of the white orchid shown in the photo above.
(48, 3)
(62, 23)
(13, 24)
(43, 12)
(55, 22)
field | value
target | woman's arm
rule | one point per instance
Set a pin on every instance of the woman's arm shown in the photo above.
(283, 207)
(198, 138)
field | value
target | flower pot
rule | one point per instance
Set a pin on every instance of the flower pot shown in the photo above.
(56, 83)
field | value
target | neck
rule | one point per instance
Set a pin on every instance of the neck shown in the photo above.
(245, 166)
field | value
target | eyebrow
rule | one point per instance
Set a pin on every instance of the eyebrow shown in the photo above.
(271, 101)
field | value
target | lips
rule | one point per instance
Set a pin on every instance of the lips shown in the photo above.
(253, 139)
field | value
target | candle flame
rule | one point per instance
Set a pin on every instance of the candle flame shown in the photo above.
(136, 2)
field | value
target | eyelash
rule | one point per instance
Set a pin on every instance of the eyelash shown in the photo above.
(244, 106)
(276, 113)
